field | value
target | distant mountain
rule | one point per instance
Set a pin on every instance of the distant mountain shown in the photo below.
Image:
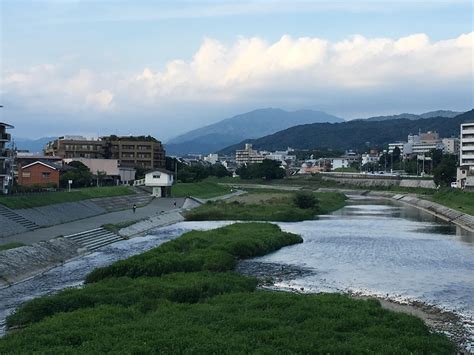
(355, 134)
(252, 124)
(411, 116)
(32, 145)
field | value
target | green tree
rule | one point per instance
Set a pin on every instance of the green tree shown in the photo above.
(305, 200)
(80, 175)
(445, 172)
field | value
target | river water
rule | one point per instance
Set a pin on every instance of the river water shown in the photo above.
(370, 247)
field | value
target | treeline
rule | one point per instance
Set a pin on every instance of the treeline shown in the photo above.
(195, 173)
(268, 170)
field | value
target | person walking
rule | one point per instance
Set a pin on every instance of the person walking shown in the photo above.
(134, 208)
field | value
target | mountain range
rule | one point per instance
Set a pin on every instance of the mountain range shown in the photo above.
(411, 116)
(254, 124)
(356, 134)
(32, 145)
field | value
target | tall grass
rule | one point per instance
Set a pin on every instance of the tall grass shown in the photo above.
(214, 250)
(49, 198)
(209, 312)
(281, 209)
(203, 189)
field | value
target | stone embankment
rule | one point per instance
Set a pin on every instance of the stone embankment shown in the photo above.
(28, 219)
(378, 181)
(448, 214)
(459, 218)
(24, 262)
(21, 263)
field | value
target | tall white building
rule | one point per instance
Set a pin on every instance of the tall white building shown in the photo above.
(467, 144)
(465, 175)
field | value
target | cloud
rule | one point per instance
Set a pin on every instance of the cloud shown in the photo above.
(300, 72)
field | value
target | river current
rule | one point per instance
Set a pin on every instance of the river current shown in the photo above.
(370, 247)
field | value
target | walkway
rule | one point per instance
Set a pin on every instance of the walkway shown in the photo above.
(155, 207)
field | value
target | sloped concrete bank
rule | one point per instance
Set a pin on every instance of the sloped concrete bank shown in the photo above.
(21, 263)
(461, 219)
(448, 214)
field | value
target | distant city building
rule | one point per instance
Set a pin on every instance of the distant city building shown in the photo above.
(417, 144)
(212, 158)
(39, 173)
(144, 152)
(283, 156)
(6, 159)
(451, 145)
(248, 155)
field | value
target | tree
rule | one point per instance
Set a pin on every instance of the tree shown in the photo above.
(445, 172)
(219, 171)
(80, 175)
(305, 200)
(268, 170)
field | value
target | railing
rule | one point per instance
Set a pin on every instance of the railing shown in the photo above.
(140, 182)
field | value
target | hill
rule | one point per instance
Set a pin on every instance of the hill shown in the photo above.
(252, 124)
(32, 145)
(411, 116)
(356, 134)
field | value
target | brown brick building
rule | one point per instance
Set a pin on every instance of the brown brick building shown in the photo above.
(38, 173)
(146, 152)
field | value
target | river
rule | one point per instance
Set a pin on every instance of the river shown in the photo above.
(370, 247)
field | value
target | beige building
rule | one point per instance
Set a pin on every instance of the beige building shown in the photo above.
(451, 145)
(145, 152)
(248, 155)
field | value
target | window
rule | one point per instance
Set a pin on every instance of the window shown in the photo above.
(156, 176)
(26, 174)
(45, 175)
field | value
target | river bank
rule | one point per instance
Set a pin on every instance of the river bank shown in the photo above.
(278, 277)
(207, 308)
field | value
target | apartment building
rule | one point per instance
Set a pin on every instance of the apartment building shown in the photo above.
(145, 152)
(451, 145)
(6, 159)
(465, 175)
(248, 155)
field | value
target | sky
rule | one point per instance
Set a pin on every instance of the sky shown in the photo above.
(97, 67)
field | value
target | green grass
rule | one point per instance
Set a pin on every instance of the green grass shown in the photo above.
(116, 227)
(214, 250)
(454, 198)
(49, 198)
(209, 312)
(11, 245)
(277, 209)
(203, 189)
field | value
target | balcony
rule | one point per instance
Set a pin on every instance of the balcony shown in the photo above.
(5, 137)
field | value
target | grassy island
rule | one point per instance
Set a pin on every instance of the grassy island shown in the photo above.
(261, 205)
(183, 297)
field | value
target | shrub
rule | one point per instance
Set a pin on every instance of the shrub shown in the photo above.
(305, 200)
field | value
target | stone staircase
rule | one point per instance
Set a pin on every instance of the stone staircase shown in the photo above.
(94, 239)
(15, 217)
(118, 203)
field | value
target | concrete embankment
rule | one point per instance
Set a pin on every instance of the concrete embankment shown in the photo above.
(21, 263)
(448, 214)
(461, 219)
(24, 262)
(378, 181)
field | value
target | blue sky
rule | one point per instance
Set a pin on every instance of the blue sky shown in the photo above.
(127, 66)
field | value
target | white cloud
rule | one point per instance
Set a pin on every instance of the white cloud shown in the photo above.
(305, 71)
